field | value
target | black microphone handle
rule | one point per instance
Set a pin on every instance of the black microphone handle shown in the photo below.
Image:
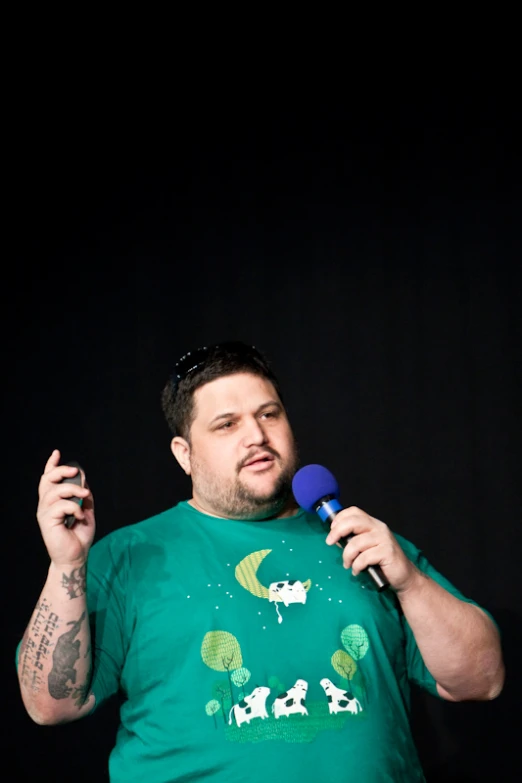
(375, 571)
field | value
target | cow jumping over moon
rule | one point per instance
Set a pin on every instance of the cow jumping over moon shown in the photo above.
(284, 591)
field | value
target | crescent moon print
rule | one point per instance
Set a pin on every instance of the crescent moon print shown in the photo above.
(246, 575)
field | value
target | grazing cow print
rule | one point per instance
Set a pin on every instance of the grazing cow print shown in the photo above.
(339, 700)
(252, 706)
(291, 702)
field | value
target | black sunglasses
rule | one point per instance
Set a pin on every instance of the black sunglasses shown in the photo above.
(194, 359)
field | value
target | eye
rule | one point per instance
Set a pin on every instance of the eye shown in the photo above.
(270, 414)
(226, 425)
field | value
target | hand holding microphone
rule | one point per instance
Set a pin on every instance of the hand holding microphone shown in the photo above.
(368, 544)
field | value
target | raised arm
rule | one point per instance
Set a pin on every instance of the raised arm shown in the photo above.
(54, 661)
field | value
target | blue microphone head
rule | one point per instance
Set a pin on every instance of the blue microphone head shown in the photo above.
(312, 483)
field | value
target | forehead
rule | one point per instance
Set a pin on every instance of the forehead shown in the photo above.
(238, 393)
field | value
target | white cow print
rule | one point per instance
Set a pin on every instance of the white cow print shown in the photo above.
(287, 591)
(339, 700)
(291, 702)
(252, 706)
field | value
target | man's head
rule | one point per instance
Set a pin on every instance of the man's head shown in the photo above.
(231, 432)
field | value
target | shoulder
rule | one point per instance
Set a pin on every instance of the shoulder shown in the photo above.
(124, 540)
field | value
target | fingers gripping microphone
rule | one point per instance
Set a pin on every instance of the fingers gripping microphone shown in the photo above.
(316, 489)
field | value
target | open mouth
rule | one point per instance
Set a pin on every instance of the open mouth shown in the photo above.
(261, 463)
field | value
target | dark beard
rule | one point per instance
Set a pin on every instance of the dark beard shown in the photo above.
(250, 506)
(238, 502)
(241, 503)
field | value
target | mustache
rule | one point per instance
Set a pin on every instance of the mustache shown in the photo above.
(253, 454)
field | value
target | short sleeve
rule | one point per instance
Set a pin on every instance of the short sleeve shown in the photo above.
(107, 573)
(417, 670)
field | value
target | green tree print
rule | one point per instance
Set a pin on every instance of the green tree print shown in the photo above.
(211, 708)
(220, 651)
(240, 677)
(276, 685)
(344, 664)
(223, 692)
(355, 640)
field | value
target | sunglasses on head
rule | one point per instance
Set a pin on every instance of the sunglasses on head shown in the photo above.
(194, 359)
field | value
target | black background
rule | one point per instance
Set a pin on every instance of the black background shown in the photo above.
(374, 252)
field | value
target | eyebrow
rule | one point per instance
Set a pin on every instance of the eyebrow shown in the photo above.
(231, 414)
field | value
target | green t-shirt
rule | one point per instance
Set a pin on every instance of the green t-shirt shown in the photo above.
(244, 651)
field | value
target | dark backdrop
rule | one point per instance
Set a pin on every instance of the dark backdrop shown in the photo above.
(376, 261)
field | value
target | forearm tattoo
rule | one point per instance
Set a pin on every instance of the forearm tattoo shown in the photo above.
(65, 655)
(42, 642)
(75, 583)
(37, 641)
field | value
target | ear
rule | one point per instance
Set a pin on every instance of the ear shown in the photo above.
(181, 450)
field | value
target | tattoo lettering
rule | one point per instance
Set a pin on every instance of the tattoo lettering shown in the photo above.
(26, 657)
(75, 582)
(65, 655)
(35, 645)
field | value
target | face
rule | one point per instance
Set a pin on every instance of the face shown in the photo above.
(242, 454)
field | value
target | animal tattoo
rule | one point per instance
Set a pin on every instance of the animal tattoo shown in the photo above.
(65, 655)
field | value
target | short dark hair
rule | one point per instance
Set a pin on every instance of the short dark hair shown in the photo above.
(201, 366)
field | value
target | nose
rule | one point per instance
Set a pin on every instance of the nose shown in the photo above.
(254, 434)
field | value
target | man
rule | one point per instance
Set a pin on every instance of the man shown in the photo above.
(242, 648)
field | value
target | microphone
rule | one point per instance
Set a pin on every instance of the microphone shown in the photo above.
(316, 489)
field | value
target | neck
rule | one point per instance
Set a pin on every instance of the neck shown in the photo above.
(288, 510)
